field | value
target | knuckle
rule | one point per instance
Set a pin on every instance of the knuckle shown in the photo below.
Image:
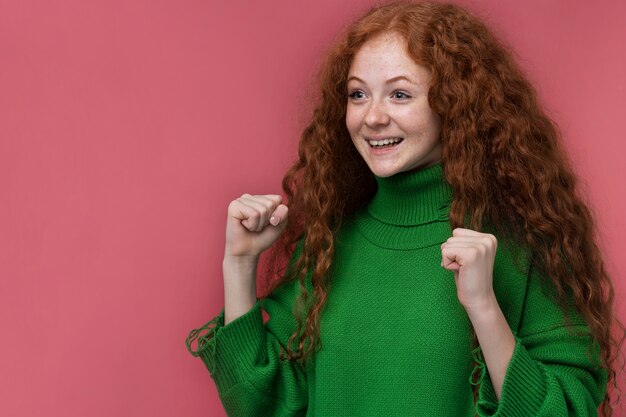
(233, 204)
(490, 242)
(267, 203)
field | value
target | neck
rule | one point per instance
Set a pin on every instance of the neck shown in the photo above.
(412, 197)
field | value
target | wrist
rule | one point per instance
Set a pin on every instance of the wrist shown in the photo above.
(240, 261)
(240, 266)
(483, 307)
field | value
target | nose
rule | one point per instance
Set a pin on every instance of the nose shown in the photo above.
(376, 114)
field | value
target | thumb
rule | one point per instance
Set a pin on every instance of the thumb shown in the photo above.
(279, 216)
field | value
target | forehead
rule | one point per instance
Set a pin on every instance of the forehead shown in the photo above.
(385, 56)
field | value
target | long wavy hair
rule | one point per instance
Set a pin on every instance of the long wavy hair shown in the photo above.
(494, 133)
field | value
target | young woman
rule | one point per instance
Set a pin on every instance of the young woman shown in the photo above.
(440, 259)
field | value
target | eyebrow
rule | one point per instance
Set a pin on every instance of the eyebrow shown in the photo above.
(389, 81)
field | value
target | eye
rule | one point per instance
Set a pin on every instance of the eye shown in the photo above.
(355, 94)
(400, 95)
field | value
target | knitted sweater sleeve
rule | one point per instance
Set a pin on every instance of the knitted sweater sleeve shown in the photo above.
(243, 359)
(554, 370)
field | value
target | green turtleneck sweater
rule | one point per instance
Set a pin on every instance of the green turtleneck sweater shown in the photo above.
(395, 339)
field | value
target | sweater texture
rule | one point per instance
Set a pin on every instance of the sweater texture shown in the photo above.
(395, 339)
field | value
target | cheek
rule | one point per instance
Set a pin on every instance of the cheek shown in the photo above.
(352, 120)
(435, 124)
(422, 121)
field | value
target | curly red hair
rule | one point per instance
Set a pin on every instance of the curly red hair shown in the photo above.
(494, 133)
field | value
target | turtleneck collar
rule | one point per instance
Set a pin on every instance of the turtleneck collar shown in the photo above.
(412, 197)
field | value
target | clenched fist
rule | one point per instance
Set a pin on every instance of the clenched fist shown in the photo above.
(471, 255)
(254, 223)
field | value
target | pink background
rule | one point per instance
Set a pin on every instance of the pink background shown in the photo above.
(126, 128)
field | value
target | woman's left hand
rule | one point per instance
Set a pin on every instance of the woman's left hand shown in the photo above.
(471, 254)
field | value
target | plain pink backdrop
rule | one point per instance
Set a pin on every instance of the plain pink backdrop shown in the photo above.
(126, 128)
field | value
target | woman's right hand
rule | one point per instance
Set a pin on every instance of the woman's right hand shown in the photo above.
(248, 228)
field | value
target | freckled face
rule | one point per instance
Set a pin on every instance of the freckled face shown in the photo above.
(388, 115)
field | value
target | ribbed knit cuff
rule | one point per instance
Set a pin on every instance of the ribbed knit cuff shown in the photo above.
(230, 352)
(523, 390)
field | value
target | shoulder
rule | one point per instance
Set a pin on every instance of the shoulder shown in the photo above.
(526, 293)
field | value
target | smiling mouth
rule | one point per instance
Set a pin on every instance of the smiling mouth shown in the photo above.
(386, 143)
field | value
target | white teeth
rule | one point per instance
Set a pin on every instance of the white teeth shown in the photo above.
(384, 142)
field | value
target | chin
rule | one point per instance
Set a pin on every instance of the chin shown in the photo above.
(384, 171)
